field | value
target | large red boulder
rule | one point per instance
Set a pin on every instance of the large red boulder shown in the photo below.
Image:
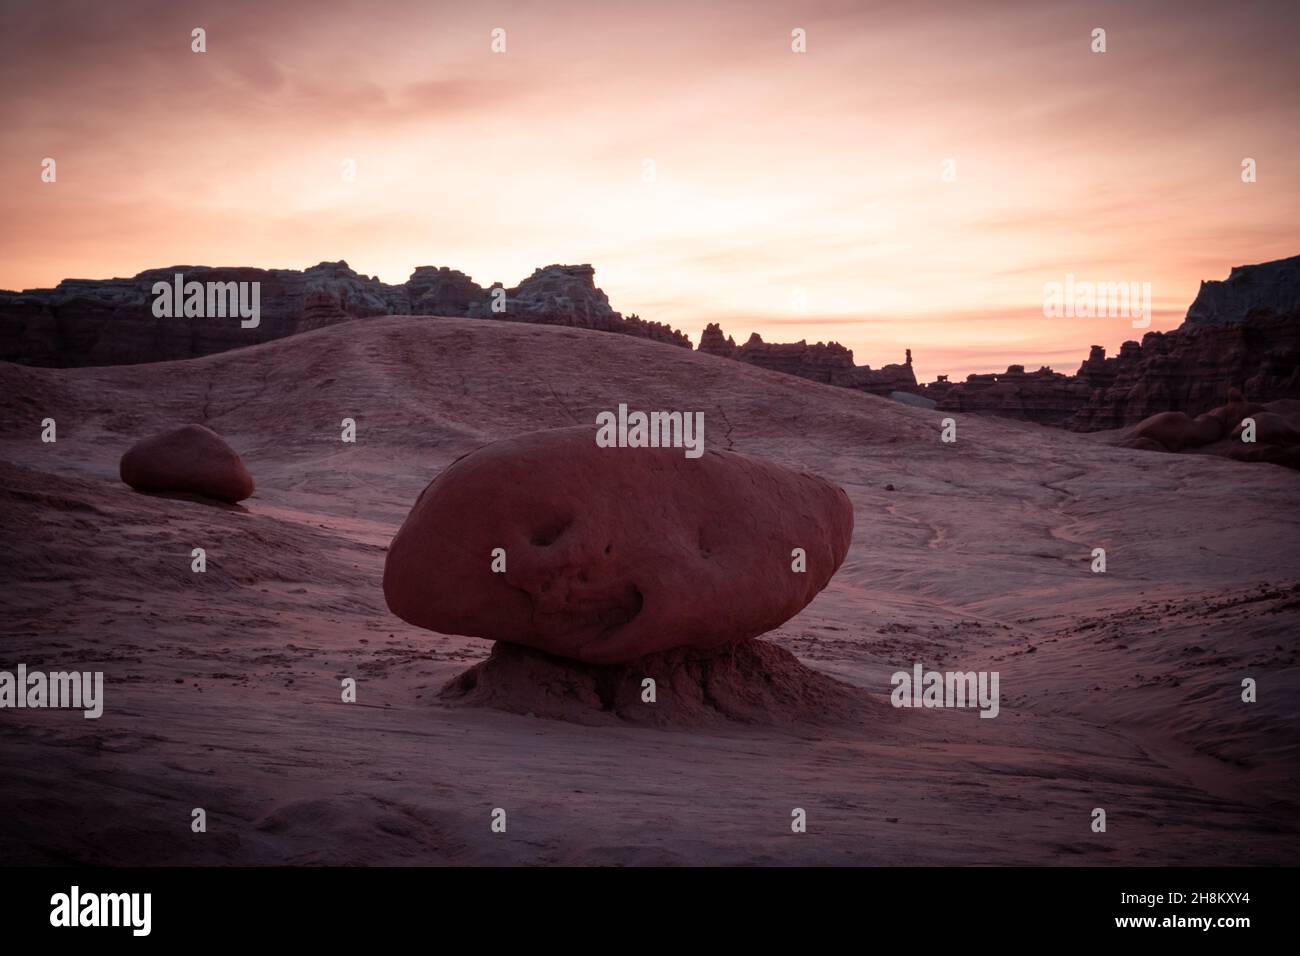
(190, 459)
(613, 553)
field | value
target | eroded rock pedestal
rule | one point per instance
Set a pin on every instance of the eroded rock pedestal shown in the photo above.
(752, 682)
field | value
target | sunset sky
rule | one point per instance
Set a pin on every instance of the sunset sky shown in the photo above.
(776, 174)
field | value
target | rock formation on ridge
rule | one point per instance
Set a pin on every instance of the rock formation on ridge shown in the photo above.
(1191, 368)
(1044, 396)
(829, 363)
(111, 322)
(1241, 333)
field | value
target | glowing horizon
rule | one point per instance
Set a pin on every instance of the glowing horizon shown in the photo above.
(778, 176)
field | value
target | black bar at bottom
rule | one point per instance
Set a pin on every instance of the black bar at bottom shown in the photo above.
(240, 905)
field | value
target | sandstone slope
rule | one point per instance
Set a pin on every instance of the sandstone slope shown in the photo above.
(1119, 690)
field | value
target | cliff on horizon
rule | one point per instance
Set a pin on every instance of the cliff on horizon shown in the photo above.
(1242, 332)
(111, 322)
(829, 363)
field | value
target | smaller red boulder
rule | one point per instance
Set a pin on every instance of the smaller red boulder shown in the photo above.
(189, 459)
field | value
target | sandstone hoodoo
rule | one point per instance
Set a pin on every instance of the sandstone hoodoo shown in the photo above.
(605, 555)
(192, 460)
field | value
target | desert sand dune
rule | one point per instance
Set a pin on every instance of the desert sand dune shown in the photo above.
(1119, 690)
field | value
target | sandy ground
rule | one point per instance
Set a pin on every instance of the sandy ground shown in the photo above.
(1119, 690)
